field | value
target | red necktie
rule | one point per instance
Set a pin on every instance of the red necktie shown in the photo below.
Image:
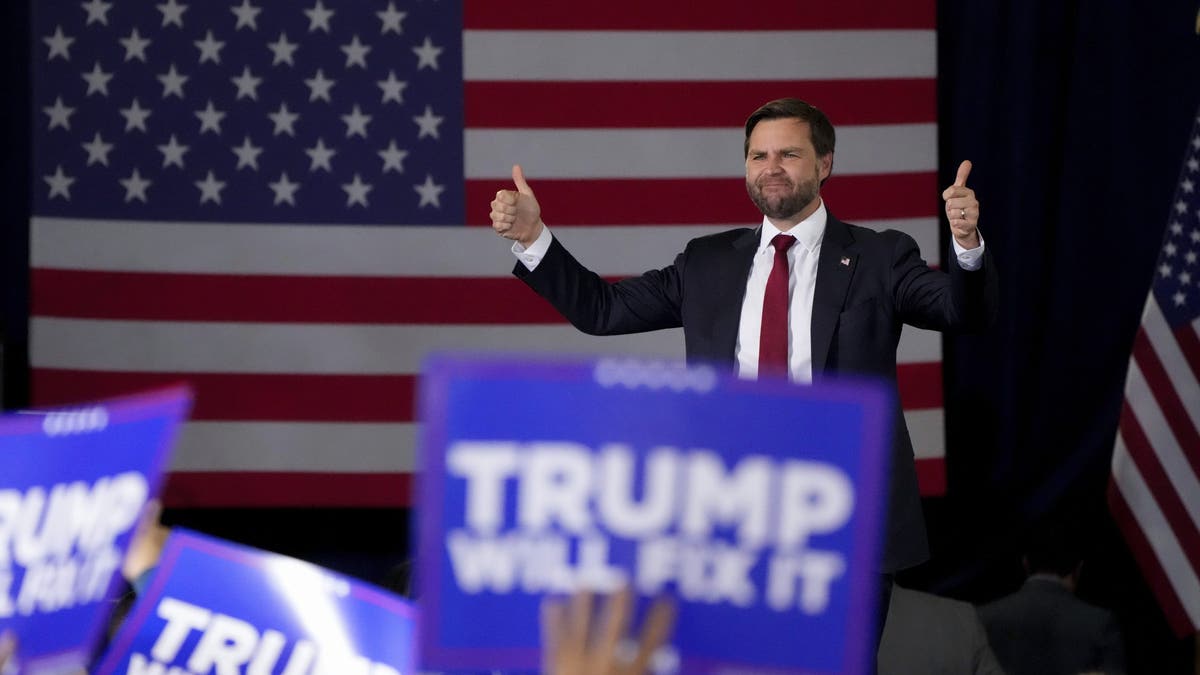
(773, 337)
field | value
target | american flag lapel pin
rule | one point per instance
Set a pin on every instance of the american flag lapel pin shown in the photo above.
(845, 261)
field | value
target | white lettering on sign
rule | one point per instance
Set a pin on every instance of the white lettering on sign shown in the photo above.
(803, 579)
(38, 523)
(565, 485)
(64, 537)
(538, 516)
(64, 422)
(229, 645)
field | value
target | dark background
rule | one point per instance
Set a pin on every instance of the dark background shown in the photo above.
(1076, 115)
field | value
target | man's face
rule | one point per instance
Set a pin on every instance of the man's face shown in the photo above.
(783, 172)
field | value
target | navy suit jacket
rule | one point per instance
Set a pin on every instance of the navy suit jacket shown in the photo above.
(868, 285)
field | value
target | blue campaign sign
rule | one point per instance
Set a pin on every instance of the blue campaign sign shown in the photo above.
(756, 505)
(218, 607)
(73, 483)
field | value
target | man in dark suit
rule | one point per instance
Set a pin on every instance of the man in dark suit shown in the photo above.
(1043, 628)
(845, 290)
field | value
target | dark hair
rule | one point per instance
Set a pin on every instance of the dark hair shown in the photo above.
(820, 129)
(1054, 547)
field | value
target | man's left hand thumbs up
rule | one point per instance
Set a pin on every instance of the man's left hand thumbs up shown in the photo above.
(962, 209)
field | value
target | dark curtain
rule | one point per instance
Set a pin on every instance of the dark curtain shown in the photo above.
(1076, 115)
(14, 181)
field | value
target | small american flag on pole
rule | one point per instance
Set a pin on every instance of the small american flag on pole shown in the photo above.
(1155, 488)
(274, 200)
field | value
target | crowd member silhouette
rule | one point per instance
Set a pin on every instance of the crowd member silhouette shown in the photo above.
(1043, 628)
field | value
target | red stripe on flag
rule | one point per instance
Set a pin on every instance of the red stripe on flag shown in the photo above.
(1152, 570)
(1189, 344)
(320, 398)
(705, 200)
(920, 385)
(1167, 398)
(931, 476)
(154, 296)
(269, 298)
(604, 105)
(768, 15)
(246, 396)
(1161, 489)
(220, 489)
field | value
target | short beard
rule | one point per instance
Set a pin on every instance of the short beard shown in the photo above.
(787, 206)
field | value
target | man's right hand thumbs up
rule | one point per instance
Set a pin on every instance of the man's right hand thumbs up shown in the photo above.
(516, 214)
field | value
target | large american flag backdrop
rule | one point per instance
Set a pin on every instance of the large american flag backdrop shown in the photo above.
(1155, 487)
(285, 203)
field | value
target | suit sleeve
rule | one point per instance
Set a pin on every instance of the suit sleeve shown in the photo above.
(984, 660)
(1112, 647)
(595, 306)
(952, 300)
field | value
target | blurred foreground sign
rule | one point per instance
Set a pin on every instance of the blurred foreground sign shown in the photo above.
(756, 505)
(218, 607)
(72, 486)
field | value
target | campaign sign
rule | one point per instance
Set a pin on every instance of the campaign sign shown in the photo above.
(218, 607)
(73, 482)
(755, 505)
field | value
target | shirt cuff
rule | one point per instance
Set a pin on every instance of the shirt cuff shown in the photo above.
(531, 256)
(969, 259)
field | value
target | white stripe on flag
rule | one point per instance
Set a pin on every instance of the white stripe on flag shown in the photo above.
(364, 447)
(698, 55)
(1162, 441)
(143, 346)
(927, 430)
(217, 347)
(349, 447)
(679, 153)
(1179, 371)
(1157, 531)
(211, 248)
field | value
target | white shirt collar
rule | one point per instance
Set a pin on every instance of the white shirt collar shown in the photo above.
(1047, 576)
(808, 232)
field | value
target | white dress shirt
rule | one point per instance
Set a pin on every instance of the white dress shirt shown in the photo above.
(802, 281)
(531, 256)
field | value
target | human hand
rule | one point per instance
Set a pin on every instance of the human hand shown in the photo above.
(8, 649)
(147, 544)
(962, 209)
(8, 653)
(573, 645)
(516, 214)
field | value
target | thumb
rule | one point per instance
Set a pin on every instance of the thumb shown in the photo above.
(964, 170)
(518, 177)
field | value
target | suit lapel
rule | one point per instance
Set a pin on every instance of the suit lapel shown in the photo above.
(835, 269)
(734, 277)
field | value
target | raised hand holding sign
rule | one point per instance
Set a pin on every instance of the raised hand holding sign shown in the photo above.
(575, 641)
